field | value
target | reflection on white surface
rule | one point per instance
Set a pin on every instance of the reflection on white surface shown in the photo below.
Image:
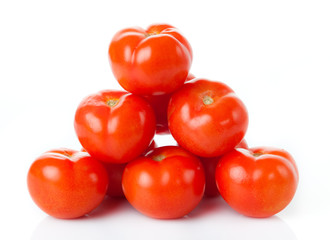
(116, 219)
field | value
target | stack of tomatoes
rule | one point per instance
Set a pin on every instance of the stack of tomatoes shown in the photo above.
(120, 158)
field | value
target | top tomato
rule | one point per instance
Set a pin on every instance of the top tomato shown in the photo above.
(150, 62)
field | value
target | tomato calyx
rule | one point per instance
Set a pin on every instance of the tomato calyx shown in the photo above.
(257, 154)
(150, 34)
(67, 154)
(207, 100)
(112, 102)
(158, 157)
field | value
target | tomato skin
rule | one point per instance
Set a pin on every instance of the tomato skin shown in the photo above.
(257, 184)
(150, 62)
(114, 126)
(210, 164)
(167, 188)
(67, 184)
(207, 118)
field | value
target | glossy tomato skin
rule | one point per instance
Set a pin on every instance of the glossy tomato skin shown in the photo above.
(150, 62)
(256, 184)
(168, 183)
(210, 164)
(115, 126)
(207, 118)
(67, 184)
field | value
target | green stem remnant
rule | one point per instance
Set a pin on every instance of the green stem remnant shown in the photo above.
(112, 102)
(158, 158)
(257, 154)
(207, 100)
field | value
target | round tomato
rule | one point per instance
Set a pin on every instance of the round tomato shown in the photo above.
(168, 183)
(210, 164)
(67, 184)
(115, 126)
(150, 62)
(257, 182)
(207, 118)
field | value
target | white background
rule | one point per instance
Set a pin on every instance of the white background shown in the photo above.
(274, 54)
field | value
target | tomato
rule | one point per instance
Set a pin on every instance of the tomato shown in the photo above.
(207, 118)
(67, 184)
(257, 182)
(115, 126)
(168, 183)
(210, 164)
(150, 62)
(160, 103)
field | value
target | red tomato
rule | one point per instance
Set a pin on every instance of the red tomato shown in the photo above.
(256, 182)
(207, 118)
(160, 103)
(210, 164)
(150, 62)
(115, 126)
(168, 183)
(67, 184)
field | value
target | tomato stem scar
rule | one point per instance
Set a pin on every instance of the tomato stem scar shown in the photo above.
(257, 154)
(158, 158)
(149, 34)
(112, 102)
(207, 100)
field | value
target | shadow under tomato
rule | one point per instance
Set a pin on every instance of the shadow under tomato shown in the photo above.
(109, 206)
(206, 207)
(117, 219)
